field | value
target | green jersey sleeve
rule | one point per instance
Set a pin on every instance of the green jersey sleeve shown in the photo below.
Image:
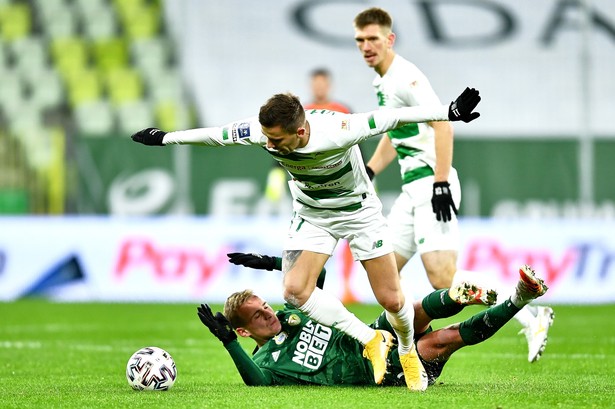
(251, 373)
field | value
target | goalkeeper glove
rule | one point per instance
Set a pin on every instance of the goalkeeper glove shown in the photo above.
(149, 136)
(218, 324)
(442, 201)
(461, 108)
(252, 260)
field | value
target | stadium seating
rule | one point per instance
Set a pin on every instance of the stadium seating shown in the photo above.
(94, 118)
(94, 68)
(15, 21)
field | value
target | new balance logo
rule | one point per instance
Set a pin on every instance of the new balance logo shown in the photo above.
(377, 244)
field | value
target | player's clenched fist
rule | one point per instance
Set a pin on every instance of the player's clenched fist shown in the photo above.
(149, 136)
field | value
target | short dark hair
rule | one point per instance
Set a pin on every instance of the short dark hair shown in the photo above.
(321, 71)
(284, 110)
(374, 15)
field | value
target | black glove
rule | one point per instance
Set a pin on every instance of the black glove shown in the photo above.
(252, 260)
(461, 108)
(149, 136)
(370, 172)
(218, 324)
(442, 201)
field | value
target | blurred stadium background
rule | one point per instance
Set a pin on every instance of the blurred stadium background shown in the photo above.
(77, 77)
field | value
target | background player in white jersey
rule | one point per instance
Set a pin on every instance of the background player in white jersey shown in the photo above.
(333, 199)
(423, 218)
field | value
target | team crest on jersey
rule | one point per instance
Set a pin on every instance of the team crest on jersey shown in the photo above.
(344, 125)
(280, 338)
(293, 319)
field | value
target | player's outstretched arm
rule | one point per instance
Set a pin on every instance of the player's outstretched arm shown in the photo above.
(461, 109)
(251, 374)
(211, 136)
(262, 262)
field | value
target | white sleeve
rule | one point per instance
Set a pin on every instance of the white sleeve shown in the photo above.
(198, 136)
(242, 132)
(369, 124)
(388, 119)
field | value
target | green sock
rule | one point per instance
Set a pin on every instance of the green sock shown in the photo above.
(440, 305)
(483, 325)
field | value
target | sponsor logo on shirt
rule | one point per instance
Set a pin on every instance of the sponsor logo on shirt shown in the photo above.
(313, 342)
(303, 167)
(344, 125)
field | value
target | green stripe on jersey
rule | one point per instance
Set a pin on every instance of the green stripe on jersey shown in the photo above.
(406, 131)
(371, 122)
(320, 179)
(294, 156)
(404, 151)
(326, 193)
(224, 134)
(417, 173)
(349, 208)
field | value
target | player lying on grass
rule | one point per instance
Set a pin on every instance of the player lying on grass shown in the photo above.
(292, 349)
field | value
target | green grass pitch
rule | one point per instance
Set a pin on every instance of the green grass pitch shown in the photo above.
(57, 355)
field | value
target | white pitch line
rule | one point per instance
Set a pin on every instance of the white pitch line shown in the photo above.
(21, 344)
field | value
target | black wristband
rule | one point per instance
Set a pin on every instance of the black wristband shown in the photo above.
(370, 172)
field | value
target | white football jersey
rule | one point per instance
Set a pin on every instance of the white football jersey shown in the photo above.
(327, 173)
(404, 85)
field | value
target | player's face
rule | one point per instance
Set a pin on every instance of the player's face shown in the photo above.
(374, 43)
(320, 88)
(261, 321)
(282, 141)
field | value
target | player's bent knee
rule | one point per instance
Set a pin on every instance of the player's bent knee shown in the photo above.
(391, 303)
(295, 297)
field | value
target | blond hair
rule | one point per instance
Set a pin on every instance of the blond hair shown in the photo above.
(232, 305)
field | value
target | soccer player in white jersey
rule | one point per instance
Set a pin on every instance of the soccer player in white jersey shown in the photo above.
(423, 218)
(333, 198)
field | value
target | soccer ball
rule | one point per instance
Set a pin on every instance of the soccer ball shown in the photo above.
(151, 369)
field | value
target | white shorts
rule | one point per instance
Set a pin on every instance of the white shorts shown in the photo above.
(319, 230)
(413, 224)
